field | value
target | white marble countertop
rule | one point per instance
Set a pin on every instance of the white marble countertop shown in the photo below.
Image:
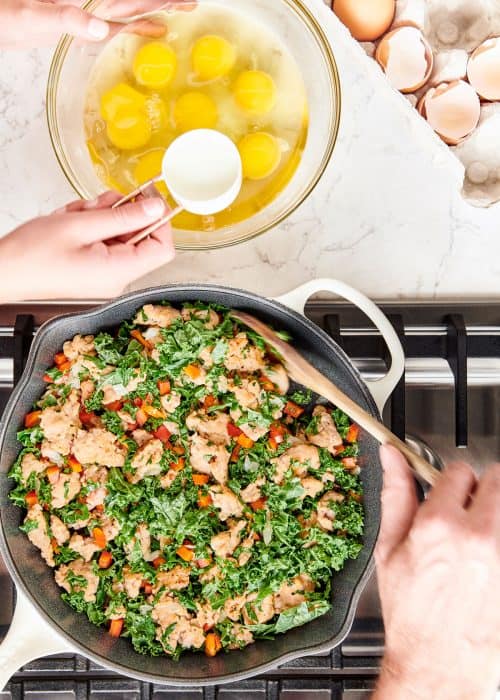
(387, 216)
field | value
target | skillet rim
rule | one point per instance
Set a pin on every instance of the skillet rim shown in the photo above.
(142, 296)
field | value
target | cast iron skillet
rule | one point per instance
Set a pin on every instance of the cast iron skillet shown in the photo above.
(53, 626)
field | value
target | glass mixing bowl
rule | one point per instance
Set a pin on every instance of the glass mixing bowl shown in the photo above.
(298, 29)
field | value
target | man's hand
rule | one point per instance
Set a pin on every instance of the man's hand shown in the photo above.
(81, 251)
(439, 579)
(28, 24)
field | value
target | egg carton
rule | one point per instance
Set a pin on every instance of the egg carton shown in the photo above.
(453, 29)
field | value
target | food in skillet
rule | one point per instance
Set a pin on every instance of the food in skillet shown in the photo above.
(185, 498)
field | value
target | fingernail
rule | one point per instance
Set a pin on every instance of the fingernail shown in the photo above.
(98, 29)
(153, 207)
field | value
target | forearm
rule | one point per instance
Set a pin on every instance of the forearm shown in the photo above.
(424, 681)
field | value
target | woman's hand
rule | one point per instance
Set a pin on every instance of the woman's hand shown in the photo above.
(35, 23)
(439, 572)
(81, 250)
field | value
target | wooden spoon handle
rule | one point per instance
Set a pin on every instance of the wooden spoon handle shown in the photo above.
(322, 386)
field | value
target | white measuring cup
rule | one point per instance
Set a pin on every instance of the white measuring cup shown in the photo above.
(203, 172)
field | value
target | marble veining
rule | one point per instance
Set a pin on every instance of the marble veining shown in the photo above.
(387, 216)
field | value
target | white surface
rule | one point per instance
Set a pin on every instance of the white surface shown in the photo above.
(387, 216)
(203, 172)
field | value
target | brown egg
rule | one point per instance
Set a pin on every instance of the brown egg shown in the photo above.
(452, 109)
(406, 58)
(484, 69)
(367, 20)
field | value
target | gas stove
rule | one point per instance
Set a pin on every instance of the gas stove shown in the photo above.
(446, 405)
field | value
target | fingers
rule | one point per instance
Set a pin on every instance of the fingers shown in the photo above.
(60, 19)
(110, 9)
(104, 201)
(485, 506)
(399, 501)
(91, 225)
(452, 490)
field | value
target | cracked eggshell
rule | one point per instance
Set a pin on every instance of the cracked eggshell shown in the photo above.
(483, 69)
(452, 109)
(448, 66)
(406, 58)
(367, 20)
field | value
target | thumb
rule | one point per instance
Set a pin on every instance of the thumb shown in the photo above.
(399, 502)
(68, 19)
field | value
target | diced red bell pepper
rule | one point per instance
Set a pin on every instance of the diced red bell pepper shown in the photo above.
(114, 405)
(259, 504)
(233, 430)
(213, 644)
(163, 434)
(31, 499)
(141, 417)
(352, 433)
(293, 410)
(116, 627)
(32, 419)
(164, 387)
(159, 561)
(59, 359)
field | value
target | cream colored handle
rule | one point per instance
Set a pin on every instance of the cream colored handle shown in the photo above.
(382, 388)
(322, 386)
(29, 637)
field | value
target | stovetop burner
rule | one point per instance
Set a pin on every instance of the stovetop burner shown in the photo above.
(447, 405)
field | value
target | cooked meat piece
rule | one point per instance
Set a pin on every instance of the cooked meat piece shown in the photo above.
(84, 546)
(94, 477)
(168, 611)
(79, 568)
(248, 392)
(209, 574)
(147, 461)
(99, 446)
(39, 536)
(143, 536)
(156, 315)
(325, 514)
(110, 526)
(87, 388)
(141, 436)
(227, 502)
(278, 376)
(153, 335)
(259, 611)
(328, 476)
(61, 424)
(207, 617)
(213, 427)
(174, 580)
(251, 430)
(242, 637)
(234, 606)
(291, 594)
(96, 497)
(171, 401)
(132, 582)
(208, 458)
(65, 489)
(298, 458)
(252, 492)
(166, 480)
(245, 555)
(30, 464)
(226, 542)
(199, 380)
(327, 435)
(80, 345)
(187, 634)
(205, 355)
(59, 530)
(312, 487)
(209, 316)
(242, 356)
(114, 392)
(127, 420)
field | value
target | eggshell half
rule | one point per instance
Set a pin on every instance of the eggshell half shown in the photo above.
(452, 109)
(406, 58)
(483, 69)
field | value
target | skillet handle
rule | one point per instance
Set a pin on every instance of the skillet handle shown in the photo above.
(28, 638)
(381, 389)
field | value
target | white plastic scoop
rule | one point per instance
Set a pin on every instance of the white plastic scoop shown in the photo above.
(202, 171)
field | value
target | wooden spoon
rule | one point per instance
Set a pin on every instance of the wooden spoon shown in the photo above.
(302, 372)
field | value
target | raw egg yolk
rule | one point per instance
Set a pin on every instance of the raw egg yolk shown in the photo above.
(255, 92)
(260, 155)
(129, 129)
(194, 110)
(155, 65)
(148, 167)
(212, 57)
(119, 98)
